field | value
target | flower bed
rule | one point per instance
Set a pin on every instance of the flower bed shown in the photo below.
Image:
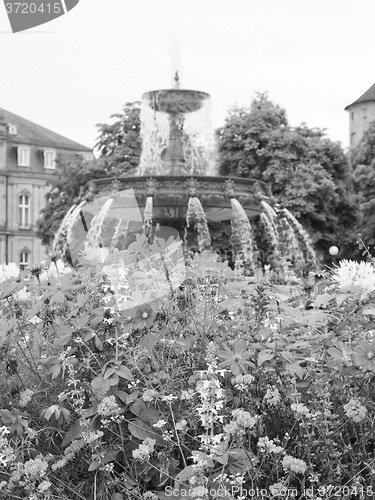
(133, 377)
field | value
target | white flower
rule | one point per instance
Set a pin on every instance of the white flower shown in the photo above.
(159, 424)
(25, 397)
(181, 425)
(8, 271)
(108, 407)
(351, 275)
(272, 396)
(355, 410)
(300, 409)
(44, 485)
(144, 449)
(149, 395)
(294, 464)
(267, 445)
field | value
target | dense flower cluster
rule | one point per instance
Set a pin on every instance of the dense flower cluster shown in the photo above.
(294, 464)
(355, 410)
(144, 450)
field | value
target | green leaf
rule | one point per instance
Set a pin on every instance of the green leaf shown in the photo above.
(265, 355)
(124, 372)
(73, 433)
(141, 430)
(7, 417)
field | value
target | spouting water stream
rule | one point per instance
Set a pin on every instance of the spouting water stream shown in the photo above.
(95, 231)
(242, 235)
(147, 218)
(195, 214)
(303, 234)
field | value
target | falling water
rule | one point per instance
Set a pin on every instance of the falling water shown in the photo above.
(198, 138)
(97, 225)
(242, 234)
(147, 218)
(195, 214)
(303, 234)
(61, 233)
(199, 142)
(154, 135)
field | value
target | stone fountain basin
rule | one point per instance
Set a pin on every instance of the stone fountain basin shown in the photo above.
(175, 100)
(171, 196)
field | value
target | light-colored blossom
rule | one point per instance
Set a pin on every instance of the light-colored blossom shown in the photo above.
(25, 397)
(8, 271)
(267, 445)
(272, 396)
(44, 486)
(35, 468)
(144, 450)
(242, 382)
(300, 409)
(354, 276)
(355, 410)
(149, 395)
(108, 407)
(181, 424)
(291, 464)
(364, 355)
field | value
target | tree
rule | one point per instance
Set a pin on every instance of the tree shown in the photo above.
(119, 149)
(363, 161)
(119, 144)
(69, 185)
(303, 169)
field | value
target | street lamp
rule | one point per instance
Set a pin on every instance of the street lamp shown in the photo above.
(333, 252)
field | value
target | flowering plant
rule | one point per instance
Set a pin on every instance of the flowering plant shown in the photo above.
(215, 387)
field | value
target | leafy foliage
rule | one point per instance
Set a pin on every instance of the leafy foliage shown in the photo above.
(119, 149)
(217, 383)
(363, 160)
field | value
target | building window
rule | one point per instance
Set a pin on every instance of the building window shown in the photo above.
(24, 259)
(49, 158)
(23, 156)
(352, 115)
(2, 154)
(365, 113)
(352, 138)
(24, 211)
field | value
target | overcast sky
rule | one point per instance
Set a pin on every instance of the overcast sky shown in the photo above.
(314, 58)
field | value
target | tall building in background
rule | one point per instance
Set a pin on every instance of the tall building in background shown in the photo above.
(361, 114)
(28, 157)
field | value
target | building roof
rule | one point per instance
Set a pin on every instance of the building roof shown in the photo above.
(33, 134)
(369, 95)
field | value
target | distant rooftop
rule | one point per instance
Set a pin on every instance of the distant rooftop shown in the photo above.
(33, 134)
(369, 95)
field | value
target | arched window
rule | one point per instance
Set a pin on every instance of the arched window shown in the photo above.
(24, 211)
(49, 158)
(24, 259)
(23, 156)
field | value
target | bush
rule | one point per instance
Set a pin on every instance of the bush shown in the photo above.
(133, 377)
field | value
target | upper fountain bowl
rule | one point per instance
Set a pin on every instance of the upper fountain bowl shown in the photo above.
(175, 100)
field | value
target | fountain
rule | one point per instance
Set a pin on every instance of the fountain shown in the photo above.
(177, 186)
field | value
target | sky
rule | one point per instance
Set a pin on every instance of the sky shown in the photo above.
(312, 57)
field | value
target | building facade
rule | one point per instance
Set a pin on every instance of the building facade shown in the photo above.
(29, 154)
(361, 114)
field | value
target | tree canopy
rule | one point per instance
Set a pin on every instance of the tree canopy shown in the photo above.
(363, 161)
(118, 147)
(304, 170)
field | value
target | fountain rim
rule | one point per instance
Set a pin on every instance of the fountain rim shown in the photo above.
(214, 178)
